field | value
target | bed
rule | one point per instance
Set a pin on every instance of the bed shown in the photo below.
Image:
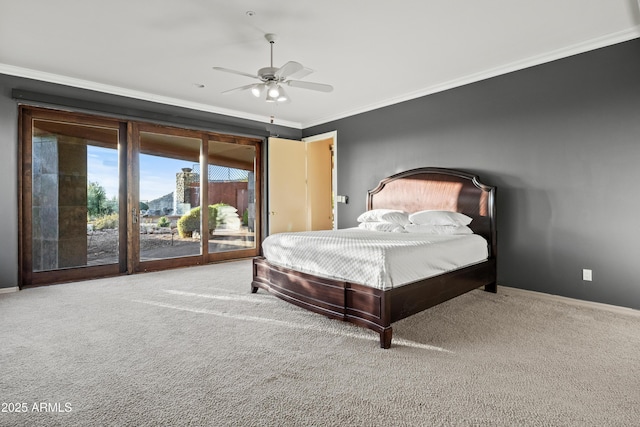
(377, 305)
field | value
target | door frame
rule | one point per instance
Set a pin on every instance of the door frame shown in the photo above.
(334, 169)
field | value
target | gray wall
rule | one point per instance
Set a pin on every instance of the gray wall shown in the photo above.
(68, 98)
(561, 141)
(8, 191)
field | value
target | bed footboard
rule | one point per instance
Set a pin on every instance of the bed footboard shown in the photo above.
(364, 306)
(336, 299)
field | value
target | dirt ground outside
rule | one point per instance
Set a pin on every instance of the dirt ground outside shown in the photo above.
(102, 245)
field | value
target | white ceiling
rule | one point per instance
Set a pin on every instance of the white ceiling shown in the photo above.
(374, 52)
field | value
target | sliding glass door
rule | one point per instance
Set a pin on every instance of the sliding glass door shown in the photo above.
(103, 197)
(232, 193)
(169, 189)
(72, 223)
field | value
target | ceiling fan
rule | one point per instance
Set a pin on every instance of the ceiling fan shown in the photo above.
(272, 79)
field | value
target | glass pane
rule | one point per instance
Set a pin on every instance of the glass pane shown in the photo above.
(75, 195)
(232, 197)
(169, 196)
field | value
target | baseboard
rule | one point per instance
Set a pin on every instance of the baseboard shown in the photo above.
(574, 301)
(9, 290)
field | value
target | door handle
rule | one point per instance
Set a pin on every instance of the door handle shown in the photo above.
(134, 214)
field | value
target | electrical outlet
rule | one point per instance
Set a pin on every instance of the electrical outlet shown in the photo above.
(587, 275)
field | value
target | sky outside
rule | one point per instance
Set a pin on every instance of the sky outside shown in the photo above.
(157, 174)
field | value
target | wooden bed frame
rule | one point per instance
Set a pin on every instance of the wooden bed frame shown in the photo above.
(412, 191)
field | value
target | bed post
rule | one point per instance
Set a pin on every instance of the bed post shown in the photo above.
(386, 332)
(491, 287)
(385, 337)
(254, 288)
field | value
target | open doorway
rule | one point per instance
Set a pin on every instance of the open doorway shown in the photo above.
(301, 183)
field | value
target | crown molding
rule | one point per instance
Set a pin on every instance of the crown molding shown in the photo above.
(145, 96)
(607, 40)
(593, 44)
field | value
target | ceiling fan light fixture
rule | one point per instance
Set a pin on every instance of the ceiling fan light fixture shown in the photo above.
(274, 90)
(271, 98)
(282, 96)
(257, 90)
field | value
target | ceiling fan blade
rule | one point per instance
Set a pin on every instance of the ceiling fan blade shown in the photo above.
(288, 69)
(238, 89)
(229, 70)
(302, 73)
(310, 85)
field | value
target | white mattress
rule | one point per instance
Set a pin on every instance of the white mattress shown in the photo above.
(377, 259)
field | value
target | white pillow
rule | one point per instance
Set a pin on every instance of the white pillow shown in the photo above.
(438, 229)
(385, 215)
(382, 226)
(439, 218)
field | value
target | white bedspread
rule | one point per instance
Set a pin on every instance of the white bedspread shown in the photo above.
(378, 259)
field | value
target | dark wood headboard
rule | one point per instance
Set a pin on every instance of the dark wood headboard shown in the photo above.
(440, 189)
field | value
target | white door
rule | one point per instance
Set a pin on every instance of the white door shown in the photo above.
(287, 192)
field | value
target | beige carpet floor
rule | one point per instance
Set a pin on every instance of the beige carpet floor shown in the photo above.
(194, 347)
